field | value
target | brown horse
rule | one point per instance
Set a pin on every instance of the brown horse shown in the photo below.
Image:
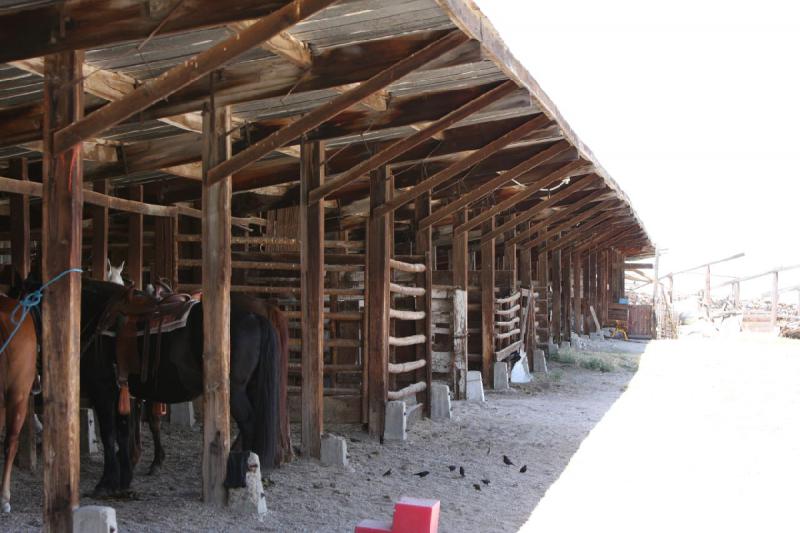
(17, 373)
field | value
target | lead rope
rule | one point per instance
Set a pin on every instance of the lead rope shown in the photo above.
(30, 301)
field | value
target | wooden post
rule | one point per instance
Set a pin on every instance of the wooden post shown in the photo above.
(379, 249)
(555, 261)
(657, 329)
(165, 263)
(216, 261)
(62, 218)
(460, 281)
(773, 317)
(487, 305)
(135, 239)
(566, 294)
(510, 258)
(424, 240)
(526, 281)
(312, 236)
(707, 290)
(99, 234)
(20, 226)
(577, 292)
(737, 295)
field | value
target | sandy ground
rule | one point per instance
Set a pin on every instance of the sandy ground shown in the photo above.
(540, 426)
(707, 438)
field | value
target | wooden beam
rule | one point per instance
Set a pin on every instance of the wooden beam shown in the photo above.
(457, 167)
(555, 271)
(570, 221)
(379, 249)
(312, 237)
(185, 73)
(76, 24)
(487, 306)
(99, 234)
(499, 181)
(20, 230)
(216, 271)
(558, 174)
(460, 267)
(560, 215)
(401, 146)
(423, 242)
(135, 239)
(62, 222)
(339, 104)
(545, 181)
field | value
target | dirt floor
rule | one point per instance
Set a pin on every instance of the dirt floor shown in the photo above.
(539, 426)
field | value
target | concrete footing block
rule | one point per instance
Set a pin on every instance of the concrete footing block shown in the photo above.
(539, 361)
(333, 451)
(565, 345)
(440, 402)
(413, 411)
(250, 500)
(500, 376)
(552, 349)
(182, 414)
(475, 386)
(89, 442)
(395, 423)
(596, 336)
(94, 519)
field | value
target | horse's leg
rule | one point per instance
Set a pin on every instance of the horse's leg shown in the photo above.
(154, 421)
(16, 410)
(124, 455)
(109, 481)
(244, 361)
(135, 443)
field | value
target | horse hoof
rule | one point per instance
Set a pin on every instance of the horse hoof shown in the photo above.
(6, 507)
(153, 470)
(102, 493)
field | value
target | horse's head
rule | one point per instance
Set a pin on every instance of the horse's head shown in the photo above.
(114, 274)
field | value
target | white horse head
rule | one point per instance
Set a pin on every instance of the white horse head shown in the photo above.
(114, 274)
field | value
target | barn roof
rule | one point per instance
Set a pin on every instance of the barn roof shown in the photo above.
(128, 42)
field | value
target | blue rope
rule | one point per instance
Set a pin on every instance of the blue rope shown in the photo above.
(30, 300)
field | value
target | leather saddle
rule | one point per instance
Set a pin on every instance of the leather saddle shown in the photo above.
(142, 315)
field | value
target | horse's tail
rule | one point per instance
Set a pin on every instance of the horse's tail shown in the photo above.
(266, 427)
(281, 325)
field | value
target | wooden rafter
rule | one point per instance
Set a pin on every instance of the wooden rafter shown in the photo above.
(401, 146)
(185, 73)
(457, 167)
(564, 225)
(545, 181)
(566, 211)
(337, 105)
(567, 191)
(486, 188)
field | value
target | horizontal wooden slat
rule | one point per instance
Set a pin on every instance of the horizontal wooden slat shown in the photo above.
(400, 368)
(509, 299)
(406, 267)
(508, 350)
(407, 291)
(406, 315)
(406, 341)
(507, 334)
(507, 312)
(407, 391)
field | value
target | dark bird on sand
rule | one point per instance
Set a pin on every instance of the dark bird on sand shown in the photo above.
(461, 471)
(507, 461)
(452, 467)
(485, 481)
(388, 472)
(422, 474)
(476, 486)
(523, 469)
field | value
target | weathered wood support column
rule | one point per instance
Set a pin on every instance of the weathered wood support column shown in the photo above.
(165, 260)
(577, 291)
(216, 239)
(487, 304)
(379, 249)
(312, 237)
(424, 240)
(555, 271)
(99, 234)
(135, 239)
(707, 287)
(510, 259)
(566, 293)
(20, 225)
(62, 218)
(460, 316)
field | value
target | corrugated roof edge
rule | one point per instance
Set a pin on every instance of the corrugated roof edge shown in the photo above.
(471, 20)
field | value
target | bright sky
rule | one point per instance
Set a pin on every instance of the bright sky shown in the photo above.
(693, 106)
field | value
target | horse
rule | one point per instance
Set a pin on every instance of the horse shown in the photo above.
(258, 376)
(114, 274)
(17, 375)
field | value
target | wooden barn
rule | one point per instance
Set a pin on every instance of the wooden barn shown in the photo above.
(385, 171)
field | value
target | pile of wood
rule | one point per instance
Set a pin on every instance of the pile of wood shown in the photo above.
(791, 330)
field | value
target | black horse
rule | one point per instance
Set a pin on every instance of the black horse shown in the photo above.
(258, 367)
